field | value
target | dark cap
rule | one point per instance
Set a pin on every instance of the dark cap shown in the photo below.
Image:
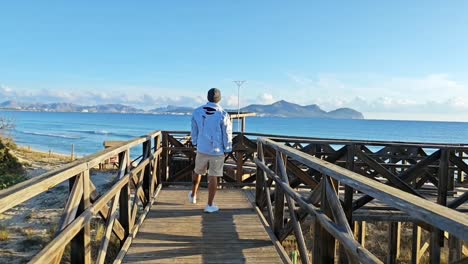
(214, 95)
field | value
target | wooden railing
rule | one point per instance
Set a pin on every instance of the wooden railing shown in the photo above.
(122, 208)
(333, 216)
(168, 158)
(178, 159)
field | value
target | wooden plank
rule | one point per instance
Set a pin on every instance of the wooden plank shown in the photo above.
(458, 201)
(190, 236)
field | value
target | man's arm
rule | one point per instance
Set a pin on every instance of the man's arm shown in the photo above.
(194, 132)
(226, 128)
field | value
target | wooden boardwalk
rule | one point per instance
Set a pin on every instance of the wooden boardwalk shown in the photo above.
(178, 232)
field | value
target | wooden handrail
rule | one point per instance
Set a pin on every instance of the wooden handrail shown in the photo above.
(26, 190)
(80, 209)
(420, 209)
(438, 216)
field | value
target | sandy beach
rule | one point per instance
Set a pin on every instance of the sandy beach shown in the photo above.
(28, 227)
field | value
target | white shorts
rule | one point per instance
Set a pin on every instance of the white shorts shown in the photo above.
(213, 164)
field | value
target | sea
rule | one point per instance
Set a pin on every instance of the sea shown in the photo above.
(57, 132)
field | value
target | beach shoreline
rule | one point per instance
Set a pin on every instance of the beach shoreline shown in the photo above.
(26, 228)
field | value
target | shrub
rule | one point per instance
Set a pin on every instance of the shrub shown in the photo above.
(11, 170)
(4, 234)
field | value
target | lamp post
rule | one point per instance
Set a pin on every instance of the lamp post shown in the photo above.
(239, 84)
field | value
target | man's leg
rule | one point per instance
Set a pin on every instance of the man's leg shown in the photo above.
(196, 178)
(212, 187)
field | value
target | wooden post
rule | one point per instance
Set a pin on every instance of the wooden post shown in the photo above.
(360, 232)
(461, 173)
(324, 243)
(240, 165)
(451, 174)
(87, 225)
(147, 173)
(279, 211)
(394, 232)
(77, 244)
(455, 248)
(437, 239)
(165, 157)
(73, 152)
(260, 177)
(157, 162)
(348, 197)
(416, 244)
(124, 207)
(281, 160)
(243, 124)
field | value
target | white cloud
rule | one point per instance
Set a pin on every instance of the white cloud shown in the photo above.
(265, 98)
(375, 95)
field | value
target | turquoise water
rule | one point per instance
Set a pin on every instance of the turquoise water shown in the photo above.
(87, 131)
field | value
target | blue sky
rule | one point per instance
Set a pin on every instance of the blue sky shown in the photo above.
(392, 60)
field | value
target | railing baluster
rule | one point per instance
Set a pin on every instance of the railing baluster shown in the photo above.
(279, 205)
(260, 178)
(124, 207)
(292, 211)
(147, 170)
(108, 230)
(77, 244)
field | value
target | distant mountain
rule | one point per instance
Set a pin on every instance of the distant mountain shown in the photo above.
(11, 104)
(111, 108)
(172, 109)
(69, 107)
(286, 109)
(278, 109)
(347, 112)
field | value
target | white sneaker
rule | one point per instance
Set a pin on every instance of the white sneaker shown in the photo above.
(191, 199)
(211, 209)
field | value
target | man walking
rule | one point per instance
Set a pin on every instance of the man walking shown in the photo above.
(212, 137)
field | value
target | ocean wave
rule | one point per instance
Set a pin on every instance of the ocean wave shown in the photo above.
(103, 132)
(49, 135)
